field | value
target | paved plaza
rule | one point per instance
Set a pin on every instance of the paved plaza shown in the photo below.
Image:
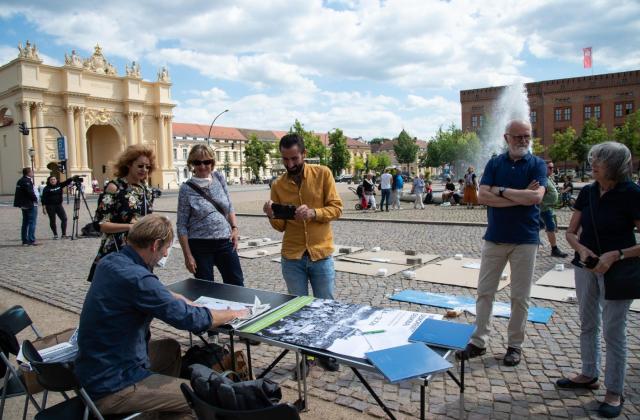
(55, 273)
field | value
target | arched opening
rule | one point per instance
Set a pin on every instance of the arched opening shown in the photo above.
(103, 148)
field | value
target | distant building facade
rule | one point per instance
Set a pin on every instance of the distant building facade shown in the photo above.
(558, 104)
(387, 147)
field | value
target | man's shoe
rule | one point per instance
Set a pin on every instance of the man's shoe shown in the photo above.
(567, 383)
(512, 358)
(555, 252)
(34, 243)
(470, 352)
(329, 364)
(609, 411)
(55, 237)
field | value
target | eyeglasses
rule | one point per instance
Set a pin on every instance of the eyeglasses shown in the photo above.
(550, 167)
(147, 167)
(203, 162)
(525, 137)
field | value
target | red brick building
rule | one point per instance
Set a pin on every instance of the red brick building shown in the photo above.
(558, 104)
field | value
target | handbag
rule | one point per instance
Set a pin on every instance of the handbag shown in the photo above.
(622, 279)
(207, 196)
(218, 358)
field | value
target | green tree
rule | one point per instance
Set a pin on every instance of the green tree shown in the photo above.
(312, 143)
(340, 156)
(406, 148)
(537, 147)
(255, 154)
(629, 133)
(373, 162)
(592, 133)
(560, 150)
(451, 146)
(384, 161)
(358, 165)
(377, 140)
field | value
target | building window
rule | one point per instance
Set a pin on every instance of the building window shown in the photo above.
(184, 154)
(618, 110)
(628, 108)
(557, 114)
(235, 172)
(596, 111)
(474, 121)
(567, 114)
(186, 173)
(218, 155)
(587, 112)
(175, 154)
(226, 156)
(235, 156)
(481, 119)
(533, 117)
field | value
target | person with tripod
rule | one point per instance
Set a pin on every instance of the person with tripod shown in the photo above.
(52, 203)
(126, 199)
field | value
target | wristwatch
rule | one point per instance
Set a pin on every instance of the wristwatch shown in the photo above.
(621, 257)
(234, 227)
(501, 191)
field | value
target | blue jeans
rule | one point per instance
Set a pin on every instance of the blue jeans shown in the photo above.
(28, 231)
(321, 274)
(385, 198)
(610, 316)
(218, 252)
(547, 221)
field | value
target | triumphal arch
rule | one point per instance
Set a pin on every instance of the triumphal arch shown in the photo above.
(99, 111)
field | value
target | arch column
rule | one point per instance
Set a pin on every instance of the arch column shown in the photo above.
(160, 142)
(169, 141)
(27, 140)
(84, 161)
(130, 139)
(72, 162)
(140, 132)
(41, 143)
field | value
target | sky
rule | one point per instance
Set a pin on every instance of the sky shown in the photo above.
(370, 67)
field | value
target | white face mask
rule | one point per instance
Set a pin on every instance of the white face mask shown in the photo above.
(163, 261)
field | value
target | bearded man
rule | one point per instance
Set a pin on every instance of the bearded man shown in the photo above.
(511, 187)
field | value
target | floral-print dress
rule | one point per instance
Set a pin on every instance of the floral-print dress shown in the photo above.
(128, 204)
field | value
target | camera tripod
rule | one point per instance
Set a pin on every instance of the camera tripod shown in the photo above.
(77, 196)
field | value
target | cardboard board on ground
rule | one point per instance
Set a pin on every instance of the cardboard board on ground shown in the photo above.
(261, 242)
(336, 251)
(368, 268)
(557, 294)
(557, 278)
(259, 252)
(452, 272)
(394, 257)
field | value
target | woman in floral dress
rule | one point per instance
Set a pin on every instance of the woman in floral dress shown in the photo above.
(126, 199)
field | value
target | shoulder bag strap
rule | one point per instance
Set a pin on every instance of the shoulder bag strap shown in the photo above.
(207, 197)
(593, 221)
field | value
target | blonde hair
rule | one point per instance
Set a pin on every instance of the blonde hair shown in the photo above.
(200, 150)
(149, 229)
(130, 155)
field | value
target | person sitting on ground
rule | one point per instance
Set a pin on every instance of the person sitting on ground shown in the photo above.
(428, 193)
(121, 369)
(368, 189)
(449, 189)
(567, 191)
(456, 199)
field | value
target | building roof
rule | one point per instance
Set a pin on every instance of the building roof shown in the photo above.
(200, 130)
(263, 135)
(387, 146)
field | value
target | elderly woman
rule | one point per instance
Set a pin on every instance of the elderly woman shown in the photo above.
(207, 226)
(126, 199)
(602, 233)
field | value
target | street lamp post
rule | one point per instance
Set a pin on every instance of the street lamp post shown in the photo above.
(211, 126)
(32, 154)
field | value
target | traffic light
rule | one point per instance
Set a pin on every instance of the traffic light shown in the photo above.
(62, 165)
(22, 127)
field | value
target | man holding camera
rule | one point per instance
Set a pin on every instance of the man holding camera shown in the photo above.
(307, 246)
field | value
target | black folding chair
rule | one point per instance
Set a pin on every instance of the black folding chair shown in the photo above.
(13, 321)
(206, 411)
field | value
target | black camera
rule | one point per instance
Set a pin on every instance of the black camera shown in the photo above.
(77, 179)
(283, 211)
(589, 263)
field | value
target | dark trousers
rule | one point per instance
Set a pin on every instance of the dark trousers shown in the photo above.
(385, 197)
(52, 211)
(218, 252)
(28, 231)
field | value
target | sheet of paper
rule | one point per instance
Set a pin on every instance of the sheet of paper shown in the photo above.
(255, 309)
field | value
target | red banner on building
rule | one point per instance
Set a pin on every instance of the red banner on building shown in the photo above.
(586, 59)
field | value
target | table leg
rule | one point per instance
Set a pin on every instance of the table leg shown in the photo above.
(249, 359)
(373, 394)
(273, 364)
(233, 351)
(422, 398)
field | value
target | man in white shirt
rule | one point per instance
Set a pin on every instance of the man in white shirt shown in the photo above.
(385, 189)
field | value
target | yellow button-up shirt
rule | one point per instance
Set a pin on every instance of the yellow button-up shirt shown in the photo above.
(317, 191)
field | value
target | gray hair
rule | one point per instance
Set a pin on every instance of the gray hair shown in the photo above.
(616, 157)
(507, 128)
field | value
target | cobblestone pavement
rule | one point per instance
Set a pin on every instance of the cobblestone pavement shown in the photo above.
(55, 273)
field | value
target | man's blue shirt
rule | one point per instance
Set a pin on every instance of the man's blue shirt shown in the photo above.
(517, 224)
(123, 299)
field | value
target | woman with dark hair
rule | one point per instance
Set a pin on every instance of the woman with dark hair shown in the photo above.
(207, 225)
(52, 204)
(126, 199)
(602, 233)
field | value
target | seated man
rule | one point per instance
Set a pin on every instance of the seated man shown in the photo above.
(449, 189)
(121, 369)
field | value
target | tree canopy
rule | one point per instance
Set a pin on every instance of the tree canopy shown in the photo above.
(255, 154)
(340, 156)
(560, 150)
(451, 146)
(405, 148)
(312, 143)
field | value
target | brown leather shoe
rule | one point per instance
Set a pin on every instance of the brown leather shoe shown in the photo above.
(470, 352)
